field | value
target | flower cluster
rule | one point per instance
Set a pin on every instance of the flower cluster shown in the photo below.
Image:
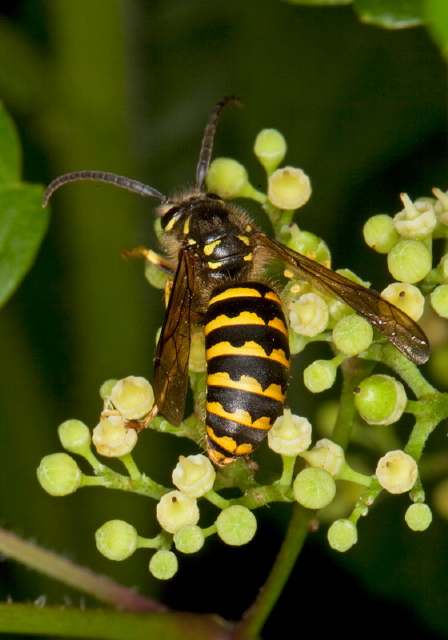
(310, 472)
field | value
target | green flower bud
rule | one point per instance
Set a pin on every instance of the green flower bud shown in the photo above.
(417, 220)
(380, 399)
(352, 334)
(133, 397)
(116, 539)
(325, 455)
(270, 148)
(338, 309)
(314, 488)
(342, 535)
(194, 475)
(380, 233)
(197, 362)
(397, 472)
(418, 517)
(309, 314)
(409, 261)
(112, 439)
(163, 565)
(74, 436)
(439, 300)
(320, 375)
(229, 179)
(289, 188)
(236, 525)
(306, 243)
(290, 434)
(107, 387)
(175, 510)
(189, 539)
(58, 474)
(156, 277)
(406, 297)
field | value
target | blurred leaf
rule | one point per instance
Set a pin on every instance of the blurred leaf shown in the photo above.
(22, 220)
(391, 14)
(437, 18)
(9, 150)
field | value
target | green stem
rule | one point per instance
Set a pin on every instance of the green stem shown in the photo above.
(258, 613)
(288, 470)
(354, 370)
(217, 500)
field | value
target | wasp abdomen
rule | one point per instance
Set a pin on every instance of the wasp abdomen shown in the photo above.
(247, 353)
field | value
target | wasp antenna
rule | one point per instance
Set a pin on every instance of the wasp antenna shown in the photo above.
(209, 136)
(102, 176)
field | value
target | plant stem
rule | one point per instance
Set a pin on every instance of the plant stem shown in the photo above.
(68, 572)
(258, 613)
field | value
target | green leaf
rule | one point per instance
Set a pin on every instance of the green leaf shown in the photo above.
(437, 19)
(391, 14)
(23, 222)
(9, 149)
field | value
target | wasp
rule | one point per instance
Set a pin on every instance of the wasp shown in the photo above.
(216, 260)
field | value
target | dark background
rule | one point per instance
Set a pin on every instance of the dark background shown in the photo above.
(127, 87)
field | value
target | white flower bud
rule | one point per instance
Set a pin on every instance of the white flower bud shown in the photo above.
(175, 510)
(406, 297)
(397, 472)
(112, 439)
(417, 220)
(133, 397)
(309, 314)
(290, 434)
(325, 455)
(289, 188)
(194, 475)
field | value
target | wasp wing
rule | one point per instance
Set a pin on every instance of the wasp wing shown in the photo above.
(173, 349)
(392, 322)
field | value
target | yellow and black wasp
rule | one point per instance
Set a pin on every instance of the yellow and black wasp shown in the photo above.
(216, 259)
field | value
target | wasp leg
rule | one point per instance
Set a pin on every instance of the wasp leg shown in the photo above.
(150, 256)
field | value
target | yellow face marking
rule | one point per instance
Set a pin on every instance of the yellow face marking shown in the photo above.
(170, 224)
(187, 226)
(209, 248)
(191, 241)
(244, 239)
(235, 292)
(250, 348)
(241, 416)
(214, 265)
(245, 317)
(248, 258)
(246, 383)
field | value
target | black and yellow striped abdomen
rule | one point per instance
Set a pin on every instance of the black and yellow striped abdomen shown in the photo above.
(247, 353)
